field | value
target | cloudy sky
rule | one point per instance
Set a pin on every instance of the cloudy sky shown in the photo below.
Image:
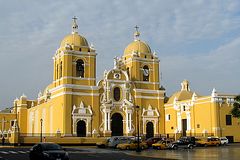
(196, 40)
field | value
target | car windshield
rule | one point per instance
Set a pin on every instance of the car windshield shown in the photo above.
(47, 147)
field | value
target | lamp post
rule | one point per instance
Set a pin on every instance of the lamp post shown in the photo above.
(138, 142)
(41, 121)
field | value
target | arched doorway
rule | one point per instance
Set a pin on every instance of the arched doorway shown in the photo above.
(117, 124)
(149, 130)
(81, 128)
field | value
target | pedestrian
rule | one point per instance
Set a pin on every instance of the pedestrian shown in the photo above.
(3, 140)
(44, 139)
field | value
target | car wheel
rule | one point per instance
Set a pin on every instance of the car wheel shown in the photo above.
(158, 148)
(217, 144)
(190, 146)
(175, 147)
(128, 148)
(205, 145)
(142, 148)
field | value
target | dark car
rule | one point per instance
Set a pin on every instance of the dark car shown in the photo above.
(152, 140)
(48, 151)
(183, 142)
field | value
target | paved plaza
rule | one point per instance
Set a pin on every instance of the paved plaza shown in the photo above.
(92, 153)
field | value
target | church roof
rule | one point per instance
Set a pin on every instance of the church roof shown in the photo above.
(183, 94)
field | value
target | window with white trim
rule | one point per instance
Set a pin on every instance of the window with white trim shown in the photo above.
(168, 117)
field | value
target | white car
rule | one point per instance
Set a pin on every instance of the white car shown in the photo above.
(224, 140)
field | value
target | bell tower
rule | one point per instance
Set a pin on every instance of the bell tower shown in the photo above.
(75, 60)
(141, 64)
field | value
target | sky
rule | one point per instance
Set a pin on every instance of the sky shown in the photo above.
(195, 40)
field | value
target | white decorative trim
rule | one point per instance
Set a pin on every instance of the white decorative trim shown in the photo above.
(149, 91)
(149, 97)
(115, 80)
(82, 113)
(77, 53)
(73, 86)
(141, 60)
(145, 82)
(166, 105)
(75, 94)
(76, 78)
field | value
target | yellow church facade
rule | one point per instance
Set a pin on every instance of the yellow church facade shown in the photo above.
(76, 105)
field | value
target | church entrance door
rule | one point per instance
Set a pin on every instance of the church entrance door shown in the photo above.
(184, 127)
(81, 128)
(117, 124)
(149, 130)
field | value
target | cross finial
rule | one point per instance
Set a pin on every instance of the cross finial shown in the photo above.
(74, 18)
(74, 25)
(137, 33)
(136, 27)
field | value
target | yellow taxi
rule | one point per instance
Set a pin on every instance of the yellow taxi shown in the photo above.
(210, 141)
(103, 144)
(132, 145)
(161, 144)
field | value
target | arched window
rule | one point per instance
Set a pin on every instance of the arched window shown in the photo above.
(116, 94)
(145, 73)
(60, 70)
(80, 68)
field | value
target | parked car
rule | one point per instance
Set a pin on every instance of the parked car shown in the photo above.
(210, 141)
(103, 144)
(132, 144)
(224, 140)
(183, 142)
(152, 140)
(48, 151)
(115, 140)
(162, 144)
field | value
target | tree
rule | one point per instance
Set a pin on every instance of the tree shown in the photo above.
(236, 107)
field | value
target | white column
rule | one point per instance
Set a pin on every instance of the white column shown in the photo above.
(188, 121)
(130, 121)
(127, 122)
(179, 121)
(105, 120)
(155, 127)
(108, 121)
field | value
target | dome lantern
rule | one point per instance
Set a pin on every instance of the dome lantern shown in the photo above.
(136, 34)
(74, 40)
(138, 47)
(74, 25)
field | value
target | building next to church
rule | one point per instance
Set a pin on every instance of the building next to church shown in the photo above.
(188, 113)
(75, 105)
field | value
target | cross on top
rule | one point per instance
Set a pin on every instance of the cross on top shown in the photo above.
(74, 25)
(74, 18)
(136, 27)
(137, 33)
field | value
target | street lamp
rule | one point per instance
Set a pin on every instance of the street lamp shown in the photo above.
(41, 121)
(138, 142)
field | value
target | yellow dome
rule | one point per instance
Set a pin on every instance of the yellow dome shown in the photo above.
(74, 39)
(183, 94)
(137, 46)
(180, 95)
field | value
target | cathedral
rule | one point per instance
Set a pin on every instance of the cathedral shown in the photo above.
(75, 105)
